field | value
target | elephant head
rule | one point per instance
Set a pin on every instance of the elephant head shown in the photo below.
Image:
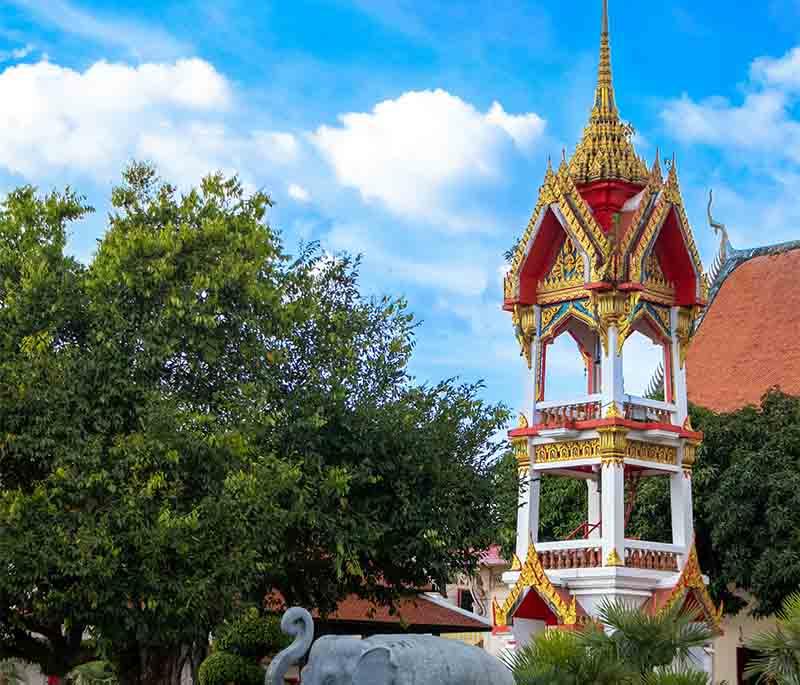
(333, 661)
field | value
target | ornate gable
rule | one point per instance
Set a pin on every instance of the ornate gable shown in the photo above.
(559, 202)
(677, 250)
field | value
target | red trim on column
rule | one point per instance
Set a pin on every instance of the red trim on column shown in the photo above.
(542, 372)
(669, 382)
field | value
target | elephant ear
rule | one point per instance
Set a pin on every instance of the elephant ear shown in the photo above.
(375, 667)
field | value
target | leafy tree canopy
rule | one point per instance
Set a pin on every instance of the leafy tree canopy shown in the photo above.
(193, 420)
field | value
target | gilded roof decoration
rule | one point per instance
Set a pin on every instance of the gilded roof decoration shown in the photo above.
(555, 315)
(567, 272)
(669, 198)
(691, 581)
(533, 576)
(581, 226)
(606, 150)
(590, 258)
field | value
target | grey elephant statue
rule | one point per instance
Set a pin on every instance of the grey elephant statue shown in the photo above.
(383, 659)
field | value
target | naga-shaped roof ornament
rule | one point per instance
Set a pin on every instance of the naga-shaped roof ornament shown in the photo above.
(606, 151)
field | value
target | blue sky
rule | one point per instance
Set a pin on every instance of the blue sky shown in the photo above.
(414, 132)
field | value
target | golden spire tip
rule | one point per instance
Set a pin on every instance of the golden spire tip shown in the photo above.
(604, 97)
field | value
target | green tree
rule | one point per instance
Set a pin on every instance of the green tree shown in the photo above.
(194, 420)
(779, 648)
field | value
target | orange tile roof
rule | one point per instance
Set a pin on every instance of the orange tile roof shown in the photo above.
(413, 611)
(419, 610)
(749, 340)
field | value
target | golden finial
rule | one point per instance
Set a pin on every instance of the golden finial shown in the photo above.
(604, 97)
(606, 150)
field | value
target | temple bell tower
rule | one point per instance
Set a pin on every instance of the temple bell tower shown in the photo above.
(607, 252)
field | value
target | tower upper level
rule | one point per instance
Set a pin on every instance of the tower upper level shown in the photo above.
(624, 222)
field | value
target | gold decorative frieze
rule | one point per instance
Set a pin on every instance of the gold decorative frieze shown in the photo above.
(689, 456)
(646, 451)
(614, 559)
(522, 454)
(567, 451)
(613, 444)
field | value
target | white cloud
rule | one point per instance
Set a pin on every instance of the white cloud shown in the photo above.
(410, 153)
(783, 72)
(761, 123)
(525, 129)
(136, 39)
(16, 54)
(453, 275)
(278, 147)
(298, 193)
(92, 122)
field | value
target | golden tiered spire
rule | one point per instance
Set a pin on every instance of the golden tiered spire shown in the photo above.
(604, 95)
(606, 151)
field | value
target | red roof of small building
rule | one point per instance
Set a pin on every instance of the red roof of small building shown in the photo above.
(748, 340)
(417, 610)
(492, 557)
(421, 610)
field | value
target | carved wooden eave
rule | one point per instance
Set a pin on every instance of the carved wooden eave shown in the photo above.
(560, 196)
(652, 215)
(691, 590)
(532, 578)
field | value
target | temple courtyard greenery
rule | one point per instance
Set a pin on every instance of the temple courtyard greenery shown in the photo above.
(196, 419)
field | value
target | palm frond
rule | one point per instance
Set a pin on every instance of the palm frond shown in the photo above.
(675, 676)
(779, 648)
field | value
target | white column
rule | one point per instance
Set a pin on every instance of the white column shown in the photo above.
(613, 505)
(682, 508)
(528, 409)
(595, 509)
(524, 515)
(533, 516)
(613, 389)
(679, 372)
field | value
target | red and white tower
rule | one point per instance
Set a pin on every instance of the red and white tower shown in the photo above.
(608, 252)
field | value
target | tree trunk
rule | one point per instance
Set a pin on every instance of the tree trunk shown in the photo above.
(157, 665)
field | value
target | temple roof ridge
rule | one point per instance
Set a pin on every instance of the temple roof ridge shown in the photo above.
(730, 258)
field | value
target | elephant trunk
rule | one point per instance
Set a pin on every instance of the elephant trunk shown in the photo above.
(296, 622)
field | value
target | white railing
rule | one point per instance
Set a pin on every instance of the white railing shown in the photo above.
(573, 554)
(652, 555)
(559, 412)
(565, 544)
(641, 409)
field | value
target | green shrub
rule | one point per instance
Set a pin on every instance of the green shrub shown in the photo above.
(221, 668)
(251, 636)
